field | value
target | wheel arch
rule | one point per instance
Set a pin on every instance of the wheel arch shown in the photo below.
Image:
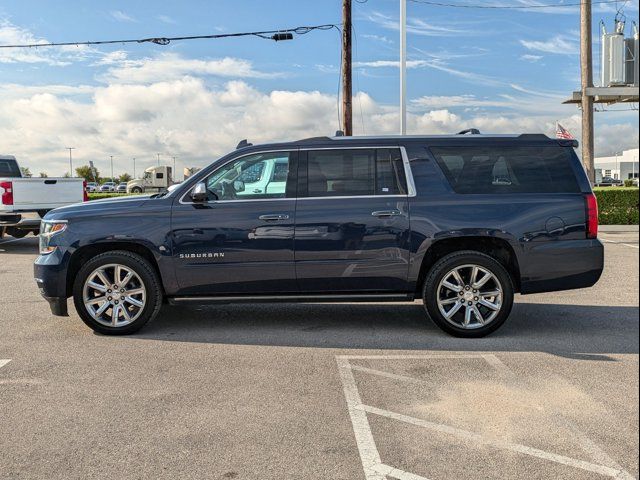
(86, 252)
(497, 248)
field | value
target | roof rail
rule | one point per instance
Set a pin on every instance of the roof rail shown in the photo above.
(243, 143)
(470, 131)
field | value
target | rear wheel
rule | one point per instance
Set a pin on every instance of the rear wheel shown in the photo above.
(468, 294)
(117, 293)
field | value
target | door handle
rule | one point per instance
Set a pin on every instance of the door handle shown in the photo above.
(274, 217)
(386, 213)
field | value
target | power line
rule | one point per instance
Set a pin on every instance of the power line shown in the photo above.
(509, 7)
(276, 35)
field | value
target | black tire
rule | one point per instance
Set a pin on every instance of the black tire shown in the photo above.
(17, 232)
(446, 265)
(145, 272)
(136, 190)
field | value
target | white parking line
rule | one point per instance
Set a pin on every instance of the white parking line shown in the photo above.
(4, 362)
(623, 244)
(372, 464)
(477, 438)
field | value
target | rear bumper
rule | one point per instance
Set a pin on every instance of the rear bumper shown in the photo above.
(562, 265)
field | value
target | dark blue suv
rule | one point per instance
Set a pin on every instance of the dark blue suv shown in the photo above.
(462, 222)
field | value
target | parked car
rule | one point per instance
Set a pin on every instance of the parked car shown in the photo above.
(609, 182)
(91, 187)
(122, 187)
(24, 201)
(108, 187)
(344, 219)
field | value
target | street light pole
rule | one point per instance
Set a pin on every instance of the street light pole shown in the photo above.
(158, 159)
(134, 167)
(403, 67)
(70, 160)
(111, 168)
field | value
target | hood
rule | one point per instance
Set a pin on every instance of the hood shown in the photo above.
(105, 206)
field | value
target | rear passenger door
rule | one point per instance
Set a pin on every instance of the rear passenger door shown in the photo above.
(352, 220)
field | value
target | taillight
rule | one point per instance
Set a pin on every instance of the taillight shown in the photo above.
(6, 191)
(85, 194)
(591, 203)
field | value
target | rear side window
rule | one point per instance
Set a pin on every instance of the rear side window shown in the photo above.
(356, 172)
(494, 170)
(9, 168)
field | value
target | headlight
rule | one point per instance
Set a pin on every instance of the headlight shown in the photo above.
(49, 229)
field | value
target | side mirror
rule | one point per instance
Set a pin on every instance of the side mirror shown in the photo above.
(238, 186)
(199, 193)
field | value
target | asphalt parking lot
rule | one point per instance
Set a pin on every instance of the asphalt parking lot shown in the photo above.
(353, 392)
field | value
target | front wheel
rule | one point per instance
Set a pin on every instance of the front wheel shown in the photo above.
(136, 190)
(468, 294)
(117, 293)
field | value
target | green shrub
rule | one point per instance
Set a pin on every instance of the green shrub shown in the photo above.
(618, 206)
(629, 183)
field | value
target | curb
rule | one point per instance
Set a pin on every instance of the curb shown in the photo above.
(618, 228)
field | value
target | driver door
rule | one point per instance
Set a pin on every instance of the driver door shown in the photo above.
(240, 241)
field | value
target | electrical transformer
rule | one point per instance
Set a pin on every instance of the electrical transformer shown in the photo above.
(613, 56)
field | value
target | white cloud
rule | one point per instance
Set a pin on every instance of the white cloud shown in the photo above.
(527, 57)
(379, 38)
(198, 122)
(11, 34)
(417, 26)
(166, 19)
(120, 16)
(170, 66)
(559, 45)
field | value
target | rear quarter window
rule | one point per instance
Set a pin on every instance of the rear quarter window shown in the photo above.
(9, 168)
(518, 169)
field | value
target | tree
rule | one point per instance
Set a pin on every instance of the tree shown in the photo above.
(124, 178)
(66, 175)
(87, 173)
(26, 172)
(43, 175)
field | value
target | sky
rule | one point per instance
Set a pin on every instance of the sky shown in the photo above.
(502, 71)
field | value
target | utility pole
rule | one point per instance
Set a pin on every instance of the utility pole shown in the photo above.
(403, 67)
(134, 167)
(347, 94)
(586, 75)
(158, 159)
(111, 167)
(70, 160)
(174, 166)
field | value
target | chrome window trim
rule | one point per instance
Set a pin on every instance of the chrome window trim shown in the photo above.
(411, 187)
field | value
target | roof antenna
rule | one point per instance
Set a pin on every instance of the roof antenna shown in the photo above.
(339, 133)
(243, 143)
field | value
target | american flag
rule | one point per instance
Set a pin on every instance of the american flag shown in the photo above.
(562, 132)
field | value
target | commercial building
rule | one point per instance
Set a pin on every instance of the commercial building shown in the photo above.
(621, 166)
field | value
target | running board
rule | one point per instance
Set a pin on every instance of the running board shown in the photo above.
(395, 297)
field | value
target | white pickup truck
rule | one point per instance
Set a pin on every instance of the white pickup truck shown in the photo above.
(24, 201)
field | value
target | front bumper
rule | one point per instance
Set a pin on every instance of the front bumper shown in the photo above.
(50, 274)
(562, 265)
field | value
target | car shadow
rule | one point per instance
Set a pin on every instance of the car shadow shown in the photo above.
(574, 331)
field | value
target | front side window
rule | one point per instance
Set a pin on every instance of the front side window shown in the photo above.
(259, 176)
(355, 172)
(490, 170)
